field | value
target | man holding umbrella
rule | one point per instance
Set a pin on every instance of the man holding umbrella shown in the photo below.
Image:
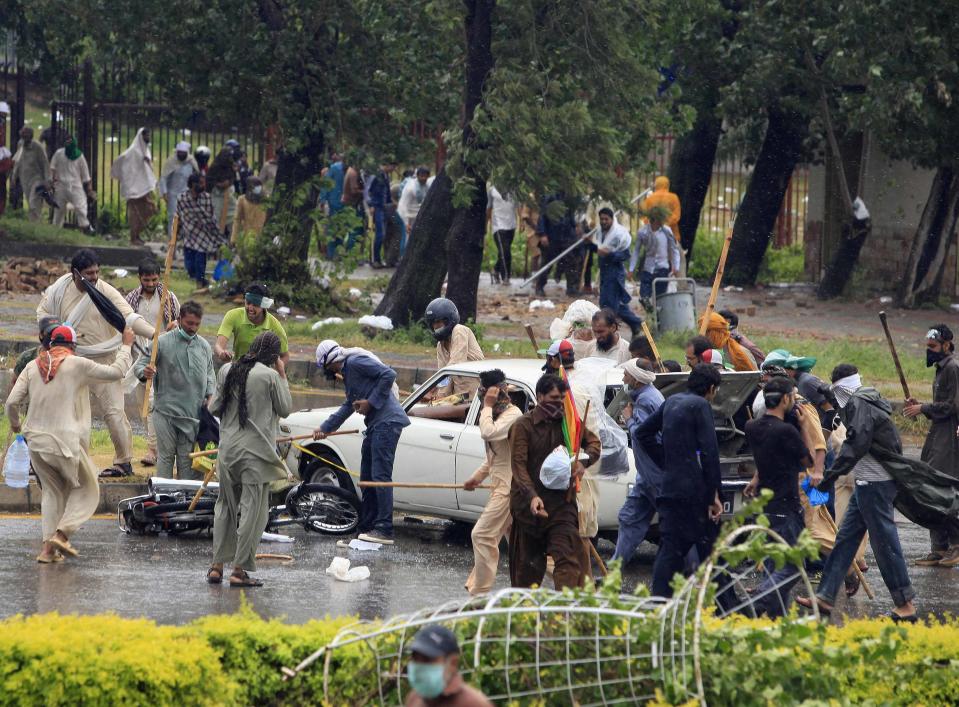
(98, 314)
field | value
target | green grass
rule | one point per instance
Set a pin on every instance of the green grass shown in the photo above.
(18, 228)
(100, 443)
(779, 264)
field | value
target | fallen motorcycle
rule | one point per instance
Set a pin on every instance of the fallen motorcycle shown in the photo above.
(165, 508)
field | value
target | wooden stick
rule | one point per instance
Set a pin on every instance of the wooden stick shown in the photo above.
(596, 557)
(410, 485)
(718, 279)
(279, 440)
(652, 345)
(168, 267)
(855, 564)
(895, 356)
(532, 338)
(207, 478)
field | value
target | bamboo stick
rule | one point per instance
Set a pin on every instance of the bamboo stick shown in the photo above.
(532, 339)
(168, 267)
(411, 485)
(207, 478)
(717, 281)
(895, 356)
(596, 557)
(279, 440)
(652, 345)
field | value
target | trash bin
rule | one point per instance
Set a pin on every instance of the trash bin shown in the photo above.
(675, 310)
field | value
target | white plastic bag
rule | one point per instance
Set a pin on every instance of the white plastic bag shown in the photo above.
(580, 311)
(559, 329)
(376, 322)
(555, 471)
(341, 570)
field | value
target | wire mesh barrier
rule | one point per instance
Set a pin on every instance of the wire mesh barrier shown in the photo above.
(583, 648)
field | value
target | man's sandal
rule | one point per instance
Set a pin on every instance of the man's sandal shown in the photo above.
(244, 580)
(806, 602)
(214, 576)
(64, 546)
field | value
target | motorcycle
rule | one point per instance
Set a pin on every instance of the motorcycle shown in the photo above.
(165, 508)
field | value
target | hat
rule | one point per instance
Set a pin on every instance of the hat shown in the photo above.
(47, 325)
(800, 363)
(434, 641)
(183, 146)
(643, 376)
(777, 357)
(714, 357)
(558, 348)
(4, 107)
(63, 335)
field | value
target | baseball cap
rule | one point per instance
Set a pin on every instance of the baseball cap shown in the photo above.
(47, 325)
(434, 641)
(63, 335)
(558, 348)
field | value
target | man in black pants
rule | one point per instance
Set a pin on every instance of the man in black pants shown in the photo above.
(555, 236)
(688, 500)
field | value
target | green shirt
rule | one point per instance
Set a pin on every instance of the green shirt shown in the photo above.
(237, 325)
(24, 359)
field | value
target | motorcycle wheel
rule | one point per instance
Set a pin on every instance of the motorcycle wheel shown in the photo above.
(325, 509)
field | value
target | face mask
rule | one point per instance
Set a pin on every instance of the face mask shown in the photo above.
(184, 335)
(426, 678)
(181, 157)
(257, 190)
(329, 375)
(934, 357)
(552, 410)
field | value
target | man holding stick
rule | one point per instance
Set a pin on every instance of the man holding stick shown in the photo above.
(183, 381)
(613, 243)
(369, 392)
(941, 449)
(96, 339)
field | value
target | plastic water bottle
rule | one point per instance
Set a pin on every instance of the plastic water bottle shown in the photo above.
(16, 468)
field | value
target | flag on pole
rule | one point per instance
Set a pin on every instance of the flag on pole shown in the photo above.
(572, 423)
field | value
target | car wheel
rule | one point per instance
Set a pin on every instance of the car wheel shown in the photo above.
(319, 472)
(323, 508)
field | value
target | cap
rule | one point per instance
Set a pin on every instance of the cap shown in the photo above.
(63, 335)
(4, 107)
(434, 641)
(713, 356)
(558, 348)
(183, 146)
(47, 325)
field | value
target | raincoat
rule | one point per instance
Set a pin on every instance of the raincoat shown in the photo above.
(661, 196)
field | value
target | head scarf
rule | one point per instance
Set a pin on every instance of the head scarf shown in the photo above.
(71, 149)
(182, 146)
(258, 300)
(643, 376)
(845, 387)
(717, 331)
(328, 351)
(60, 349)
(265, 349)
(800, 363)
(776, 357)
(134, 169)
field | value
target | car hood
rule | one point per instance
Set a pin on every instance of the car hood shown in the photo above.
(732, 394)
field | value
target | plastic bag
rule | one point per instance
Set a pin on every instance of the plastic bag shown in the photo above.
(580, 311)
(224, 270)
(376, 322)
(816, 497)
(589, 376)
(341, 570)
(555, 471)
(559, 329)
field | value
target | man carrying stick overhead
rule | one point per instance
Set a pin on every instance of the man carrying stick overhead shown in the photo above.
(545, 518)
(252, 394)
(183, 381)
(370, 392)
(97, 339)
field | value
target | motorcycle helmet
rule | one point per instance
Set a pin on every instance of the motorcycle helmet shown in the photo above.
(442, 309)
(202, 155)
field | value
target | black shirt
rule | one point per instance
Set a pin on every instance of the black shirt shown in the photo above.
(780, 454)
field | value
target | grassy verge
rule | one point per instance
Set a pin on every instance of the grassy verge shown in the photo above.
(17, 228)
(779, 264)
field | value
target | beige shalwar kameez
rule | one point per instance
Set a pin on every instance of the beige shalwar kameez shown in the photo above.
(97, 341)
(494, 521)
(247, 464)
(57, 430)
(461, 346)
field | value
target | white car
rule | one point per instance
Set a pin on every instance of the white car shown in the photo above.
(443, 445)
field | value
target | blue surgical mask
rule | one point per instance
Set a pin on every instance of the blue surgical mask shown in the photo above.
(427, 678)
(185, 336)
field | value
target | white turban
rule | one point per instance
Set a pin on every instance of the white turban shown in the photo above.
(183, 146)
(845, 387)
(327, 352)
(643, 376)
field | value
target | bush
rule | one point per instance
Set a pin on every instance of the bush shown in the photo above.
(779, 264)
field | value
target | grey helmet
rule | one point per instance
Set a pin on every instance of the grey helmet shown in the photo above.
(442, 309)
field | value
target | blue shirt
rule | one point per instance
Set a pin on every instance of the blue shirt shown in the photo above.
(380, 191)
(367, 379)
(691, 469)
(334, 196)
(646, 401)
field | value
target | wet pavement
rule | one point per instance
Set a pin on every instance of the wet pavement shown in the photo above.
(163, 577)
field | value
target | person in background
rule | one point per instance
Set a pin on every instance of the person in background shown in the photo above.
(252, 395)
(528, 221)
(6, 157)
(32, 170)
(433, 672)
(333, 196)
(369, 392)
(941, 448)
(71, 184)
(717, 332)
(496, 418)
(134, 170)
(638, 511)
(198, 229)
(695, 348)
(202, 157)
(412, 195)
(183, 381)
(739, 337)
(613, 248)
(223, 201)
(557, 230)
(353, 199)
(46, 327)
(267, 175)
(668, 201)
(545, 519)
(672, 366)
(250, 214)
(688, 498)
(379, 198)
(57, 430)
(145, 300)
(606, 341)
(455, 343)
(243, 173)
(639, 348)
(245, 323)
(662, 255)
(501, 215)
(174, 177)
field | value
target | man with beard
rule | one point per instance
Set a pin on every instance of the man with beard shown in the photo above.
(941, 449)
(545, 520)
(369, 391)
(134, 170)
(31, 168)
(174, 177)
(613, 244)
(252, 394)
(606, 341)
(496, 418)
(145, 300)
(71, 184)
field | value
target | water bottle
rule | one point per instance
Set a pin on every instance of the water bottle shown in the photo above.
(16, 468)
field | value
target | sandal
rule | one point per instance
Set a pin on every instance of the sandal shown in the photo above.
(852, 583)
(899, 619)
(214, 576)
(806, 602)
(49, 559)
(244, 580)
(64, 546)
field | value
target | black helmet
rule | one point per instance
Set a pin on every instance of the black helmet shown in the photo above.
(442, 309)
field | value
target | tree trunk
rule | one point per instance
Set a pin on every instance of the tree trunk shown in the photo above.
(839, 270)
(690, 171)
(778, 156)
(464, 245)
(293, 171)
(419, 277)
(934, 234)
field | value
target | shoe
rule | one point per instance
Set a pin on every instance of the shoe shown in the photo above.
(572, 293)
(377, 265)
(374, 536)
(899, 619)
(815, 577)
(951, 559)
(64, 546)
(49, 559)
(930, 560)
(90, 231)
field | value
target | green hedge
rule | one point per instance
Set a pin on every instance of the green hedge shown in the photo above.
(235, 660)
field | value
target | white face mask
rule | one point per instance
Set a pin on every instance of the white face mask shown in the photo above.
(257, 190)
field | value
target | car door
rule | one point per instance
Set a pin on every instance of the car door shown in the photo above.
(427, 451)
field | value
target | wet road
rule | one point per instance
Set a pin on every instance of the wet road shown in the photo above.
(163, 577)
